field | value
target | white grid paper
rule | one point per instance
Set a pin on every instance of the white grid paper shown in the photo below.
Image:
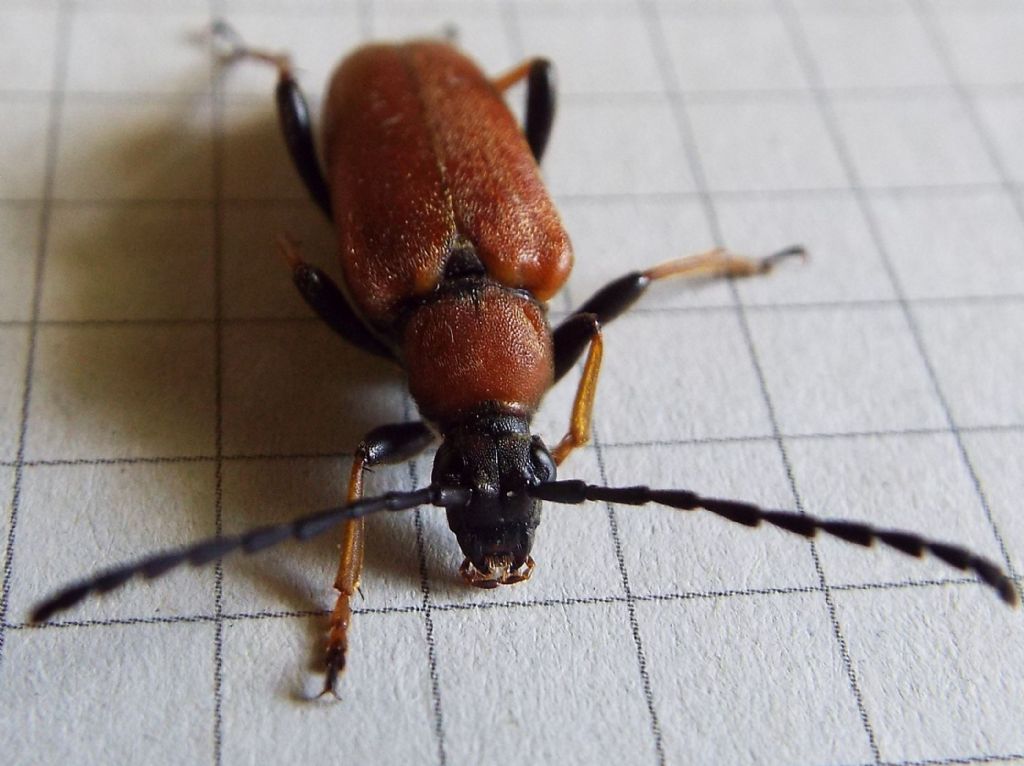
(161, 381)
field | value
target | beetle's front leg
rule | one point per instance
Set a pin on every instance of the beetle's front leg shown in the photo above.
(587, 330)
(385, 445)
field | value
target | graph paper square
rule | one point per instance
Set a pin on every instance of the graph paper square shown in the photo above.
(749, 145)
(14, 343)
(76, 516)
(710, 51)
(160, 381)
(580, 658)
(607, 52)
(883, 636)
(338, 29)
(92, 280)
(301, 413)
(996, 457)
(987, 341)
(719, 362)
(299, 579)
(255, 161)
(22, 155)
(887, 48)
(632, 233)
(110, 54)
(812, 721)
(480, 27)
(107, 391)
(121, 712)
(6, 494)
(1003, 116)
(19, 239)
(948, 245)
(984, 46)
(388, 679)
(876, 472)
(634, 150)
(847, 266)
(27, 47)
(101, 141)
(927, 141)
(882, 383)
(257, 281)
(690, 553)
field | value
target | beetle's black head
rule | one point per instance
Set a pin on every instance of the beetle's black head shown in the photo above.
(494, 455)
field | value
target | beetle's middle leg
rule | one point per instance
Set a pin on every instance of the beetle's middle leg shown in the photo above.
(385, 445)
(326, 299)
(292, 111)
(540, 100)
(572, 336)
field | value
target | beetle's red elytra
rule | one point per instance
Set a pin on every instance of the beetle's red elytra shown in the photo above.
(450, 247)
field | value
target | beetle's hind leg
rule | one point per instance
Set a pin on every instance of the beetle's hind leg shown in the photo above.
(384, 445)
(541, 99)
(571, 337)
(292, 110)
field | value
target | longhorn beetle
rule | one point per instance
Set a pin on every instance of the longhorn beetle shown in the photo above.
(450, 248)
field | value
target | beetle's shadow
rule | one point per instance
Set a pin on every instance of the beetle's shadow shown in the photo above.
(270, 385)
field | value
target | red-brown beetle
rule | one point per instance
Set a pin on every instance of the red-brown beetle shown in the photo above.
(449, 248)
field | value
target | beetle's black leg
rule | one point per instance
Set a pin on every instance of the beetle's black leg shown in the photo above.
(614, 298)
(292, 112)
(329, 303)
(385, 445)
(541, 97)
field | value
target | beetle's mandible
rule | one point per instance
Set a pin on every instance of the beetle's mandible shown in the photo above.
(450, 247)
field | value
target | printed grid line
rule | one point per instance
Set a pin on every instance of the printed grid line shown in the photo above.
(220, 616)
(217, 183)
(927, 93)
(63, 35)
(548, 603)
(798, 37)
(841, 305)
(515, 36)
(835, 131)
(564, 197)
(933, 30)
(938, 43)
(365, 10)
(685, 126)
(699, 440)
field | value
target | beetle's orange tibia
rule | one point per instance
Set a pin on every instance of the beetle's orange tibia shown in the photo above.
(346, 582)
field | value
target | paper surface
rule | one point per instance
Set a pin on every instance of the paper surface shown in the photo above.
(159, 376)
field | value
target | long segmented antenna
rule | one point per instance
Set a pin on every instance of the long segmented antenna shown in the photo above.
(576, 492)
(261, 538)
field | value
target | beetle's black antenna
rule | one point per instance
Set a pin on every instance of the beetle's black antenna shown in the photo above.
(209, 550)
(576, 492)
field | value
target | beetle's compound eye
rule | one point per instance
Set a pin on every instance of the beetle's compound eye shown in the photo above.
(542, 460)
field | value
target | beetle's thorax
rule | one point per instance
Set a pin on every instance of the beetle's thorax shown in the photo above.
(476, 341)
(492, 452)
